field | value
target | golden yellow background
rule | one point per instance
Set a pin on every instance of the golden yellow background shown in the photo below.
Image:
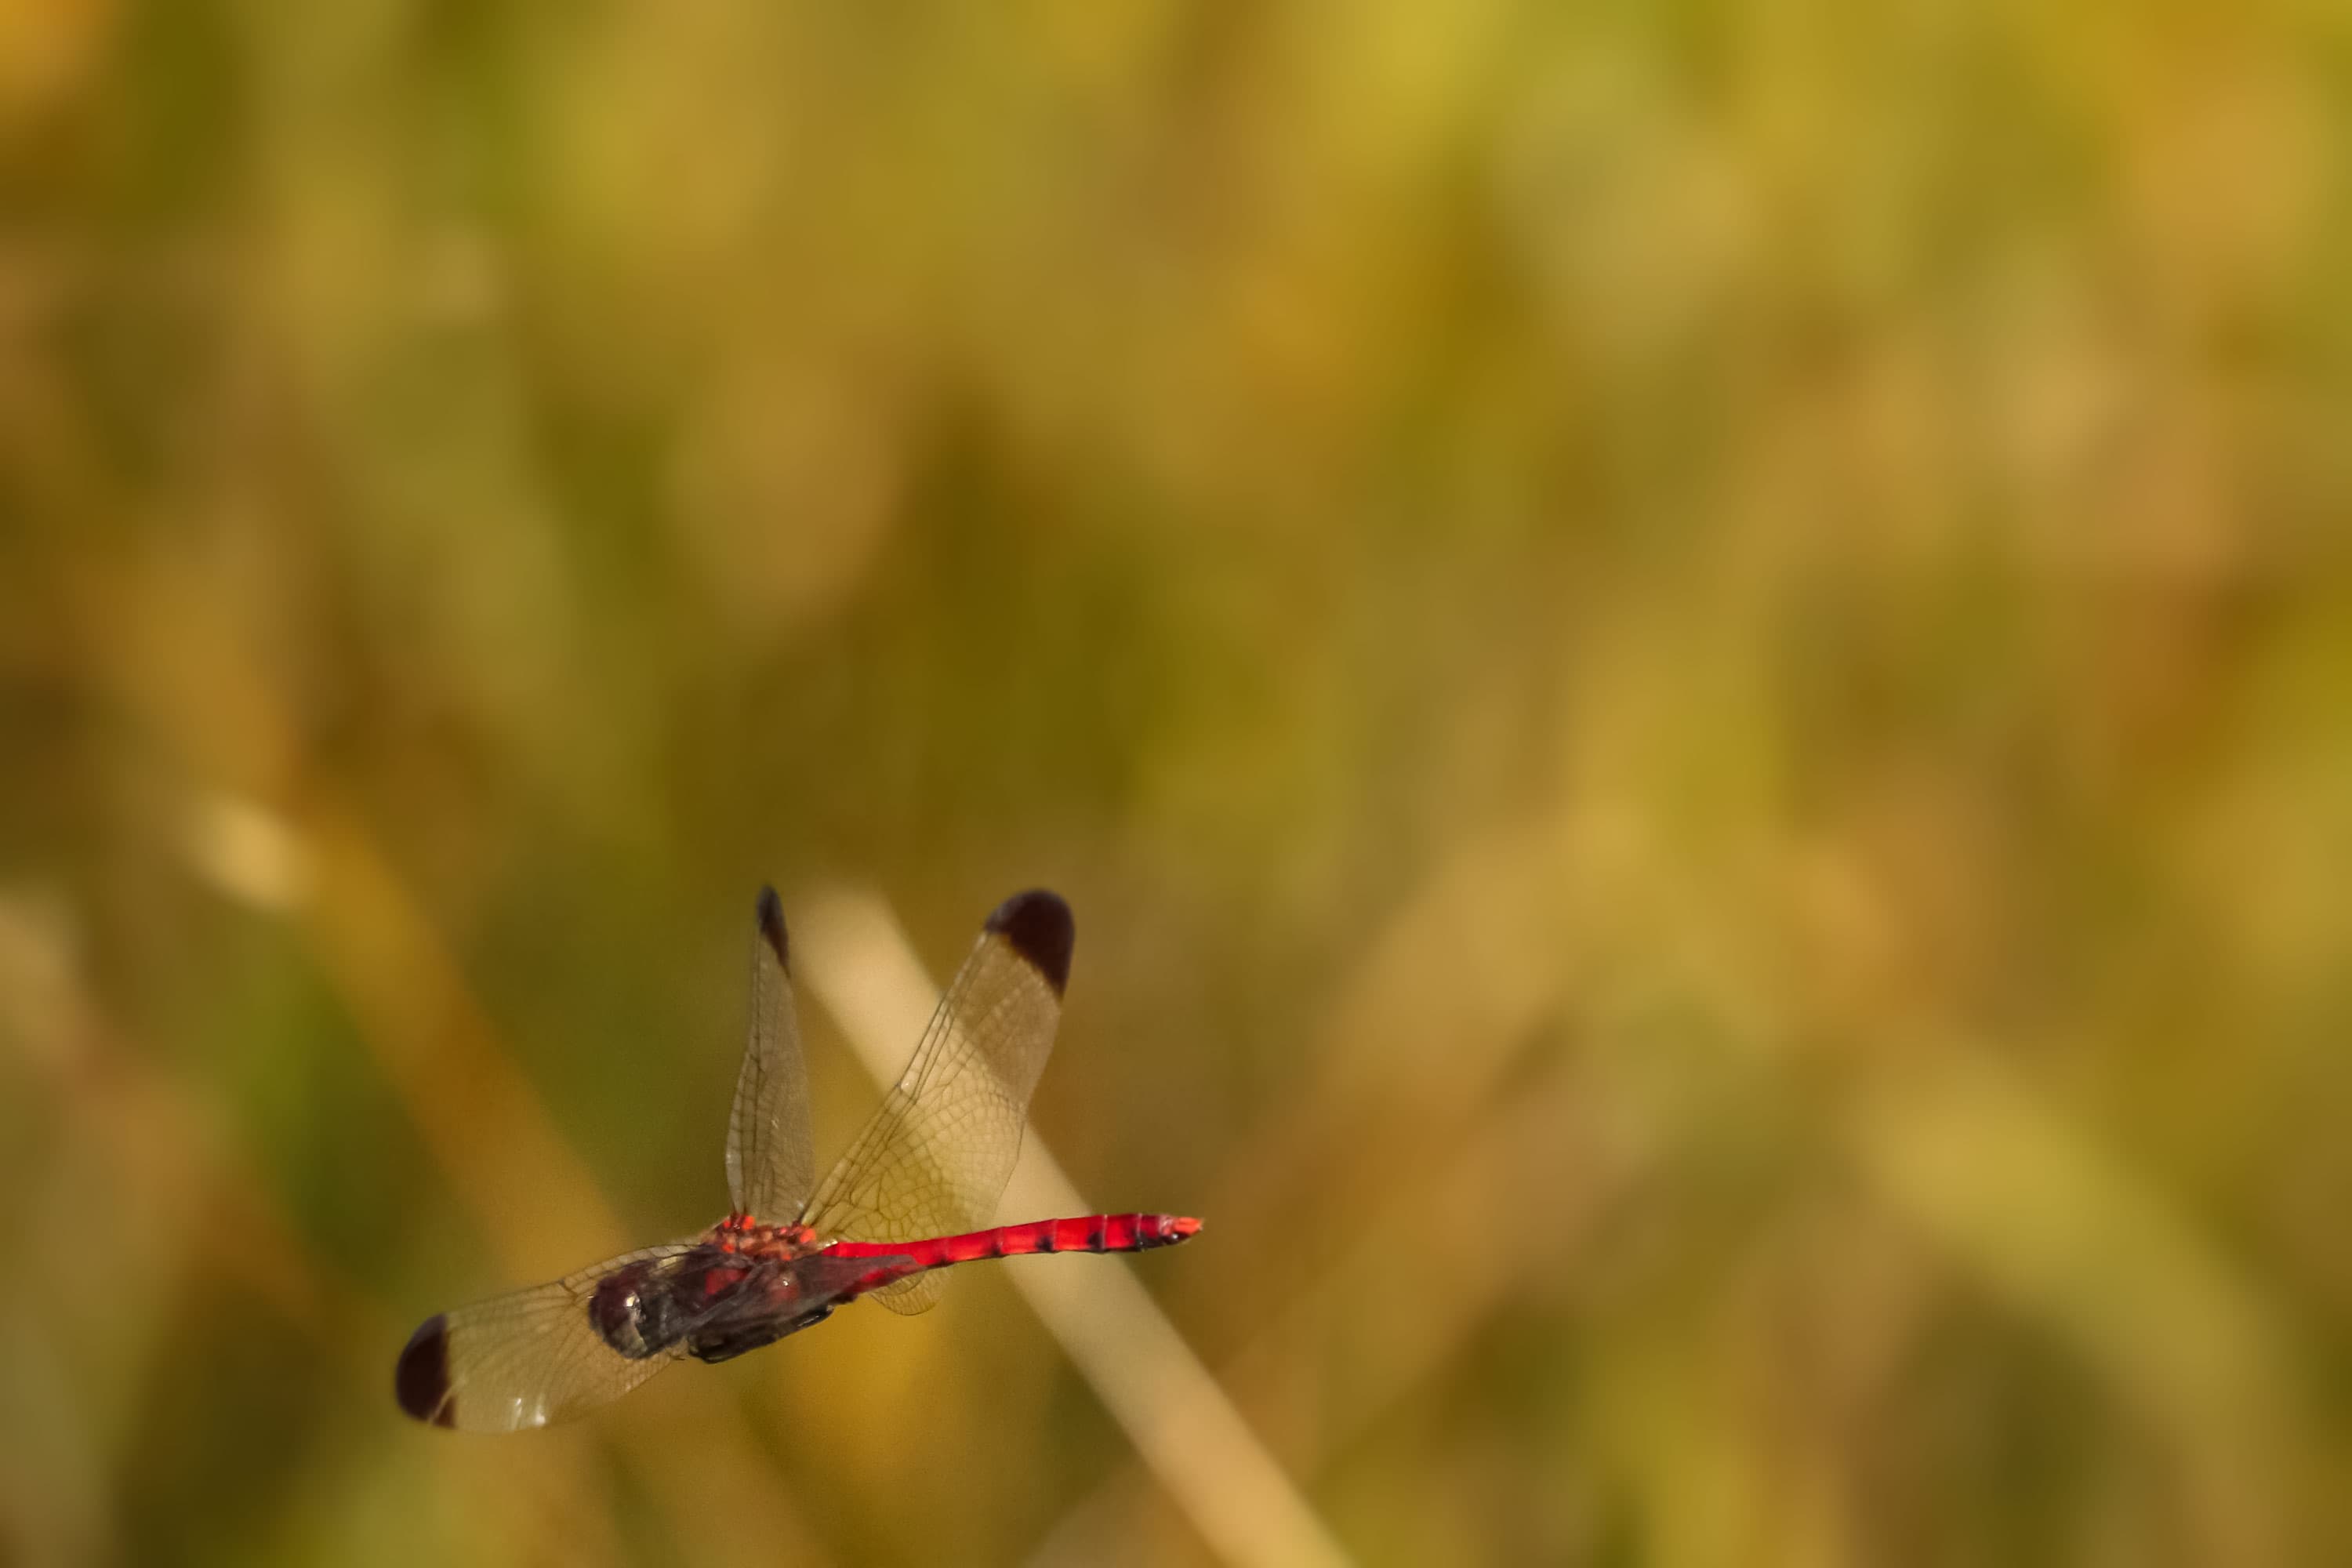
(1690, 665)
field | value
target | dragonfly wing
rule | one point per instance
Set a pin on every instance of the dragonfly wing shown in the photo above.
(524, 1359)
(769, 1167)
(936, 1156)
(833, 1280)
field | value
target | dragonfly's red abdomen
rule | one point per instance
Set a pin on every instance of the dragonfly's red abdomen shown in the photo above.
(1088, 1233)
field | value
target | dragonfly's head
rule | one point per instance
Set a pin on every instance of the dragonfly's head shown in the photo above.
(635, 1309)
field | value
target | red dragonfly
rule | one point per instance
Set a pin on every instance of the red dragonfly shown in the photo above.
(909, 1198)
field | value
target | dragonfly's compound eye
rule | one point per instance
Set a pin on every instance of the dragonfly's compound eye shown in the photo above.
(623, 1317)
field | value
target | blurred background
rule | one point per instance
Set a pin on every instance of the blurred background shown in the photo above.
(1691, 668)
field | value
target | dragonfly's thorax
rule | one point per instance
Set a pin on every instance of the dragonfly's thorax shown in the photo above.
(647, 1308)
(746, 1236)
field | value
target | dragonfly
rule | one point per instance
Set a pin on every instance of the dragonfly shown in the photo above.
(912, 1198)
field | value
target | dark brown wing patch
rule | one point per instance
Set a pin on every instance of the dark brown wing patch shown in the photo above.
(771, 916)
(1038, 925)
(421, 1381)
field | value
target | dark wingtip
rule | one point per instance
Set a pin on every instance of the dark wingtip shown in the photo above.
(421, 1381)
(1038, 925)
(772, 927)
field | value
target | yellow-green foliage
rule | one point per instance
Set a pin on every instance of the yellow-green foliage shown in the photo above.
(1691, 667)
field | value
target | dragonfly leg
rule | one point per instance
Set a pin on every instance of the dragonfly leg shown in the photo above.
(732, 1342)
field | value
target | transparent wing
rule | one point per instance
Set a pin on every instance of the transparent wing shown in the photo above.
(769, 1167)
(935, 1158)
(524, 1359)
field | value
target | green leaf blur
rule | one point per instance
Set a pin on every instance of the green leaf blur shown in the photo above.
(1690, 667)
